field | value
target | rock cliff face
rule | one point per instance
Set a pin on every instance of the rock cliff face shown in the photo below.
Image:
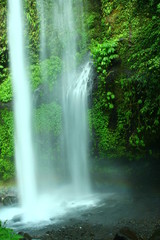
(8, 196)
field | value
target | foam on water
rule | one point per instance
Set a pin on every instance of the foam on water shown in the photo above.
(49, 208)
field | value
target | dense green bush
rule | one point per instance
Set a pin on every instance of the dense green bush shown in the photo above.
(6, 90)
(8, 234)
(6, 144)
(45, 72)
(126, 98)
(103, 55)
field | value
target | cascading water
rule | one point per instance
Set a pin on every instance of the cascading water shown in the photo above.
(25, 160)
(74, 94)
(76, 130)
(37, 171)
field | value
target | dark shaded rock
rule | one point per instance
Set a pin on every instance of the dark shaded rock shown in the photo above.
(17, 218)
(155, 235)
(126, 234)
(8, 105)
(26, 236)
(10, 200)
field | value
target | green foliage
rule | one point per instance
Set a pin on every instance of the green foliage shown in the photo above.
(148, 6)
(32, 30)
(46, 72)
(107, 7)
(126, 97)
(92, 20)
(6, 133)
(124, 42)
(8, 234)
(3, 39)
(141, 90)
(103, 54)
(110, 97)
(7, 169)
(6, 145)
(106, 140)
(6, 90)
(48, 118)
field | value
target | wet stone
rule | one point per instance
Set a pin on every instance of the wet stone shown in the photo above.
(126, 234)
(17, 218)
(26, 236)
(10, 200)
(155, 235)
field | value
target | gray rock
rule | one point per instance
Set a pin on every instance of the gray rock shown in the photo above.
(126, 234)
(155, 235)
(26, 236)
(9, 200)
(17, 218)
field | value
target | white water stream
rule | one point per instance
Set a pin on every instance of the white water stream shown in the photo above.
(76, 131)
(24, 148)
(74, 98)
(42, 204)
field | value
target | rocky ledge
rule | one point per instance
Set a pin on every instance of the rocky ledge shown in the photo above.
(81, 231)
(8, 196)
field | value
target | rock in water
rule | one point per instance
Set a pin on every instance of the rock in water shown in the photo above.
(26, 236)
(126, 234)
(10, 200)
(17, 218)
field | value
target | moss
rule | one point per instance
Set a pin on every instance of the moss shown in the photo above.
(6, 90)
(48, 118)
(6, 145)
(132, 125)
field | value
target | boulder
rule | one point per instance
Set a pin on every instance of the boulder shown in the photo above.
(25, 236)
(155, 235)
(126, 234)
(17, 218)
(9, 200)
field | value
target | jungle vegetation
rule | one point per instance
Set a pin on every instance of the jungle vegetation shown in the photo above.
(123, 38)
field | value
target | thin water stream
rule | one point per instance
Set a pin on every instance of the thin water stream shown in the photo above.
(74, 99)
(24, 148)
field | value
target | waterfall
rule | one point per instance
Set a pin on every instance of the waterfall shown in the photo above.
(74, 95)
(24, 152)
(76, 131)
(36, 171)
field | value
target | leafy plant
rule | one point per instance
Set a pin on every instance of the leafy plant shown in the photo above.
(45, 72)
(6, 90)
(6, 145)
(8, 234)
(103, 54)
